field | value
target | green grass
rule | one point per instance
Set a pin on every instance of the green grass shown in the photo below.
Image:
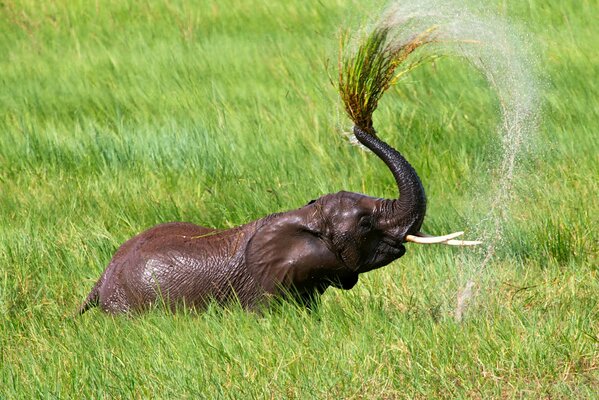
(117, 115)
(370, 69)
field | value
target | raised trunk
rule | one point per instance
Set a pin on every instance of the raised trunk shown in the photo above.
(410, 208)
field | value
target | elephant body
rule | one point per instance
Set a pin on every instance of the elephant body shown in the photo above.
(285, 254)
(176, 263)
(299, 253)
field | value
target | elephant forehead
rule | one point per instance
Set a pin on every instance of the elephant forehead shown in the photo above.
(355, 203)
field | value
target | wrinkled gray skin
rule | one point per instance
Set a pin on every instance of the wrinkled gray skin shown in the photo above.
(299, 253)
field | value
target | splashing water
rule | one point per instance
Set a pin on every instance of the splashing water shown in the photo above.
(503, 56)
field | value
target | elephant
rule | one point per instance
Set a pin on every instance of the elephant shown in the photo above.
(295, 255)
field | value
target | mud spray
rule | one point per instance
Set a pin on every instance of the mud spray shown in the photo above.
(503, 55)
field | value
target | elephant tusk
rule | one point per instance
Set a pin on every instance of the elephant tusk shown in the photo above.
(423, 238)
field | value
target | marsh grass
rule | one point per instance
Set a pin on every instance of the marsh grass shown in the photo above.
(367, 72)
(118, 117)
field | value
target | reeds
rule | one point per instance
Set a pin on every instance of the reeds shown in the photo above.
(365, 75)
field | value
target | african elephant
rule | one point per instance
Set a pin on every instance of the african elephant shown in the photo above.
(300, 253)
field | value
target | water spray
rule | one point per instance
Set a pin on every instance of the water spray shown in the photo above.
(413, 32)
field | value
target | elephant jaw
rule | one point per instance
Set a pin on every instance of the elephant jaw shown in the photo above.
(423, 238)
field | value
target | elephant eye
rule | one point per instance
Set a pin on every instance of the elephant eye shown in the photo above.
(365, 222)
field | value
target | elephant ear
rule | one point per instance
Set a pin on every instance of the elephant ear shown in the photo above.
(288, 252)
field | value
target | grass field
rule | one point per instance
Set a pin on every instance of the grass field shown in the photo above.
(117, 115)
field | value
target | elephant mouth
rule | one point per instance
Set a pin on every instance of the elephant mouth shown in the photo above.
(382, 252)
(391, 253)
(392, 244)
(388, 251)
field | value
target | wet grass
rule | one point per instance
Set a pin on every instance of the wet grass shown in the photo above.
(118, 116)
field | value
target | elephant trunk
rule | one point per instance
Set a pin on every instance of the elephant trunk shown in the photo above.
(409, 210)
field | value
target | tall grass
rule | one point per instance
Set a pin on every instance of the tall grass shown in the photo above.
(365, 75)
(115, 116)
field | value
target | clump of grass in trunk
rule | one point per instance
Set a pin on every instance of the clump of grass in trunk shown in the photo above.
(367, 73)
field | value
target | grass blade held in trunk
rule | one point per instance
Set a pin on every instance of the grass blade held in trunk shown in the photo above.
(367, 73)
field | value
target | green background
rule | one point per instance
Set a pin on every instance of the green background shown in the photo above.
(118, 115)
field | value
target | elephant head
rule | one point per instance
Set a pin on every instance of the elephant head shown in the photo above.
(329, 241)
